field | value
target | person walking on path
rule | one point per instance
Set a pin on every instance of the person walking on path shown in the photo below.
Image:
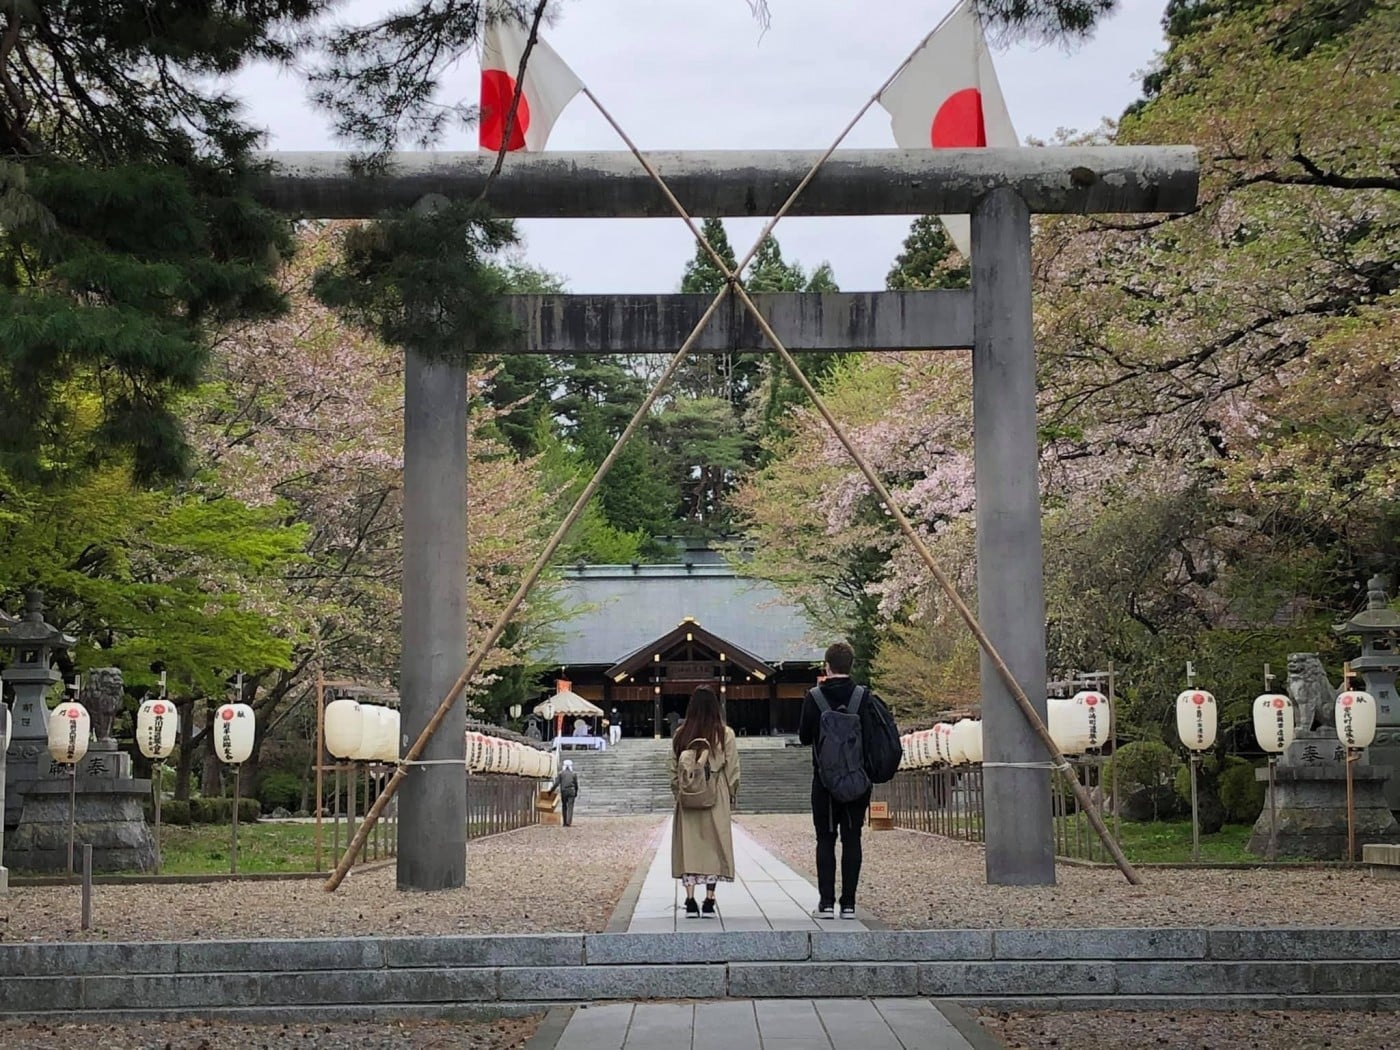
(705, 782)
(567, 783)
(823, 711)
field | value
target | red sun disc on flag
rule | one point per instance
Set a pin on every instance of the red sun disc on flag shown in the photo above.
(958, 122)
(226, 714)
(497, 92)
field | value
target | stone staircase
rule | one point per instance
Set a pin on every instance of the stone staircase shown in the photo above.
(633, 777)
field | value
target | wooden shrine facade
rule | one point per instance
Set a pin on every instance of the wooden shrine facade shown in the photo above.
(648, 689)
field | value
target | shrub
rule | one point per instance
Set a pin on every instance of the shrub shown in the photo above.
(172, 811)
(1141, 764)
(1144, 771)
(279, 788)
(1240, 793)
(220, 810)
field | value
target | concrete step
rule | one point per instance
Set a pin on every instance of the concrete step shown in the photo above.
(91, 982)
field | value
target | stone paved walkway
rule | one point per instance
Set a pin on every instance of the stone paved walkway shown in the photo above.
(765, 1024)
(766, 895)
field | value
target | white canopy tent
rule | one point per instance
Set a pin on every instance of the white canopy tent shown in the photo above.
(568, 703)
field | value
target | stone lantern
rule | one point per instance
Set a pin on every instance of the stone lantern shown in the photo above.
(1378, 627)
(32, 644)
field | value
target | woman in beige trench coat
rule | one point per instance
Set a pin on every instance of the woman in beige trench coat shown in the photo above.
(702, 840)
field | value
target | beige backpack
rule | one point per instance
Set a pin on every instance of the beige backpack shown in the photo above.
(698, 776)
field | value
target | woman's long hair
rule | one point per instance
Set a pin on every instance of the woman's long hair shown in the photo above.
(704, 720)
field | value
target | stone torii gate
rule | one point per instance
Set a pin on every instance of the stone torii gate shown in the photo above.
(999, 188)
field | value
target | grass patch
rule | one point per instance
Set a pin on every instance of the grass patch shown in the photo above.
(203, 849)
(1169, 842)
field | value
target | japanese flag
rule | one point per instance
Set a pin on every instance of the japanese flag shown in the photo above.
(549, 86)
(947, 97)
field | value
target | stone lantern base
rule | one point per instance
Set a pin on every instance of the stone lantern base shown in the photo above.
(1312, 811)
(110, 816)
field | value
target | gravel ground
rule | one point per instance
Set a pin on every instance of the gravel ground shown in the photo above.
(1202, 1030)
(506, 1034)
(513, 886)
(919, 881)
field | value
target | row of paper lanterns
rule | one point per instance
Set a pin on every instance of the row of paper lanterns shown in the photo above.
(157, 727)
(492, 754)
(1274, 729)
(360, 732)
(955, 744)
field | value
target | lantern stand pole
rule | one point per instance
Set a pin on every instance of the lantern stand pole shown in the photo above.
(1352, 756)
(72, 811)
(160, 764)
(320, 755)
(350, 781)
(1113, 770)
(335, 808)
(1195, 812)
(1272, 852)
(233, 848)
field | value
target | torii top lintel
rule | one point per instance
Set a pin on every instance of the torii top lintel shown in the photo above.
(1051, 180)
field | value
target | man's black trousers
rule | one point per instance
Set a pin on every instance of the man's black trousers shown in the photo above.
(833, 819)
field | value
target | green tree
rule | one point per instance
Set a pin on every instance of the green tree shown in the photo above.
(928, 259)
(129, 241)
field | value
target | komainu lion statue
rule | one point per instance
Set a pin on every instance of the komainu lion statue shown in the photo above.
(1313, 695)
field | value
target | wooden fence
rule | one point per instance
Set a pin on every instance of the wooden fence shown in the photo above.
(497, 803)
(949, 801)
(942, 801)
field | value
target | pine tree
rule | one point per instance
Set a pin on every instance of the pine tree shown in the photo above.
(128, 239)
(928, 259)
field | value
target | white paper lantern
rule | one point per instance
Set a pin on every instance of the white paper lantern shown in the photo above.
(344, 727)
(963, 732)
(1068, 723)
(386, 737)
(1273, 722)
(954, 744)
(906, 754)
(157, 724)
(1095, 716)
(945, 742)
(235, 727)
(491, 755)
(1196, 719)
(513, 758)
(973, 744)
(1356, 718)
(368, 744)
(69, 729)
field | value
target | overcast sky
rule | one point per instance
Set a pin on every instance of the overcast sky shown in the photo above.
(699, 74)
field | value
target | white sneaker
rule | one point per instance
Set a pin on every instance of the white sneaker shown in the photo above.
(848, 913)
(827, 912)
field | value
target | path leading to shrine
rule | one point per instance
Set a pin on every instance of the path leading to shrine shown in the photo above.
(766, 895)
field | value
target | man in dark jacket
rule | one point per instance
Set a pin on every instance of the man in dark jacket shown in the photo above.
(830, 817)
(567, 782)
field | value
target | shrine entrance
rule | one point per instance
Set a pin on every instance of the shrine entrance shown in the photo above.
(999, 188)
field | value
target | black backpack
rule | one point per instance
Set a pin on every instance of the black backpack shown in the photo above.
(883, 751)
(840, 754)
(875, 732)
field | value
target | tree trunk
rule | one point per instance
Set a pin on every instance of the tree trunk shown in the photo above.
(211, 783)
(184, 764)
